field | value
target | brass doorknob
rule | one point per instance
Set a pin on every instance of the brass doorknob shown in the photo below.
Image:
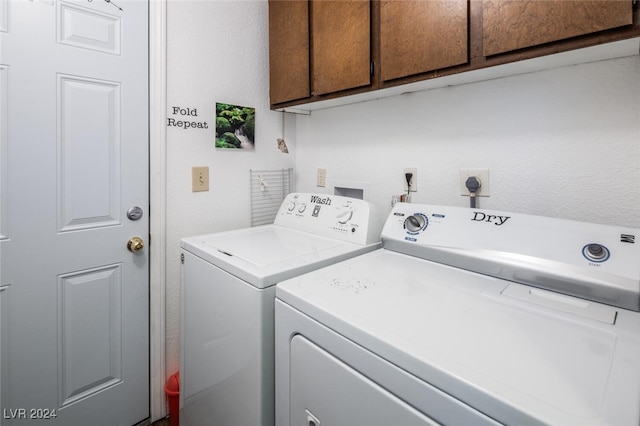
(135, 244)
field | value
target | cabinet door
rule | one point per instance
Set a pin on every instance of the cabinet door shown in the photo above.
(514, 24)
(288, 50)
(341, 39)
(418, 36)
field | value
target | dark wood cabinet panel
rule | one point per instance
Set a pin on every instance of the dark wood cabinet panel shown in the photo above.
(418, 36)
(515, 24)
(321, 50)
(341, 49)
(288, 50)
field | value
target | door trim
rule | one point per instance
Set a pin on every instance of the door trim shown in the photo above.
(157, 204)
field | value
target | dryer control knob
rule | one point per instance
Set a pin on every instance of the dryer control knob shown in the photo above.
(414, 223)
(595, 252)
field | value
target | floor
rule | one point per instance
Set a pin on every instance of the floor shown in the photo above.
(161, 422)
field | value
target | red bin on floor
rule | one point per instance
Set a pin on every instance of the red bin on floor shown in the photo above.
(172, 389)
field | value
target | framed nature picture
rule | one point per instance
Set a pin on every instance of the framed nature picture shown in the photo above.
(235, 126)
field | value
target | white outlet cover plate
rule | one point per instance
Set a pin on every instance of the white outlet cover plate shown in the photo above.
(414, 179)
(321, 178)
(482, 174)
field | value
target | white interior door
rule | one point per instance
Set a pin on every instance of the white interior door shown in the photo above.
(74, 158)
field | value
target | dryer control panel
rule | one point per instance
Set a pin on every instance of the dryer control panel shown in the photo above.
(592, 261)
(334, 216)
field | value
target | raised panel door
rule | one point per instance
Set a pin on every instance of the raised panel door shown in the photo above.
(74, 157)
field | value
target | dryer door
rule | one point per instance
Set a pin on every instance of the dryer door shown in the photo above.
(325, 391)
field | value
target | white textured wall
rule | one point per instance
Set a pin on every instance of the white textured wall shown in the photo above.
(217, 51)
(563, 142)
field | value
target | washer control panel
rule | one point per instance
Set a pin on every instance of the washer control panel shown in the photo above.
(335, 216)
(601, 261)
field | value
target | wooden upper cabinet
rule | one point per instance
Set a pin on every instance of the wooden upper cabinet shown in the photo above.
(288, 50)
(514, 24)
(418, 36)
(341, 45)
(323, 49)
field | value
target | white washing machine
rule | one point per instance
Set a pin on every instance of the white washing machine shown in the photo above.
(466, 317)
(228, 292)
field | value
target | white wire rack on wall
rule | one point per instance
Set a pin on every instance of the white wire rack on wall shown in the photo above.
(268, 190)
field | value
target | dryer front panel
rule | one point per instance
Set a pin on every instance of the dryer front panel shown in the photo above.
(326, 391)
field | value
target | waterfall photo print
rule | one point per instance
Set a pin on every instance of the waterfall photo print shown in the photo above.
(235, 126)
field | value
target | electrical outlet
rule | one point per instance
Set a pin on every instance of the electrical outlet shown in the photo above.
(199, 179)
(482, 175)
(321, 180)
(414, 179)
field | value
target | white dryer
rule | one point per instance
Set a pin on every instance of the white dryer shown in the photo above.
(466, 317)
(228, 292)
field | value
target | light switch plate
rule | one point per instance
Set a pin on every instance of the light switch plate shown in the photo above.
(199, 179)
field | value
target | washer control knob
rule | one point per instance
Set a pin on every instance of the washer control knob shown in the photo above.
(291, 206)
(344, 216)
(414, 223)
(302, 208)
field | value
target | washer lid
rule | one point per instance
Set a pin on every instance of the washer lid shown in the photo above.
(267, 246)
(267, 254)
